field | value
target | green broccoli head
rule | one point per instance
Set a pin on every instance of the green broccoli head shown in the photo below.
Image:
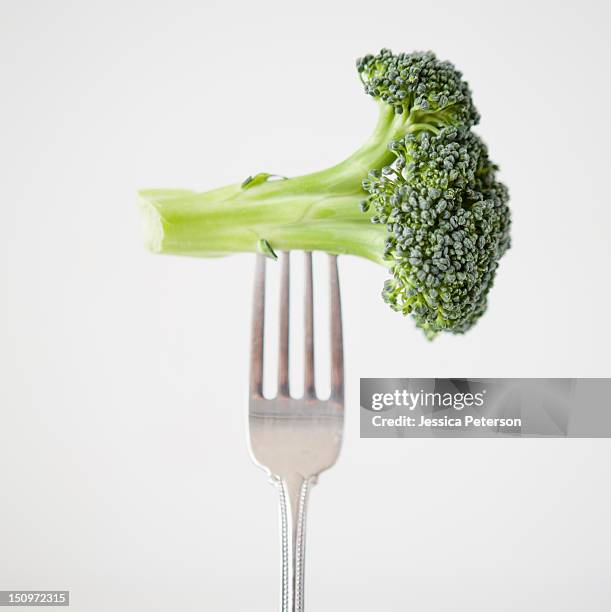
(431, 208)
(448, 226)
(419, 84)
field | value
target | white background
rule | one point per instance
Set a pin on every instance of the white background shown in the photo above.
(124, 472)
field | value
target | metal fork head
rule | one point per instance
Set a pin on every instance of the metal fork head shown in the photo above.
(295, 436)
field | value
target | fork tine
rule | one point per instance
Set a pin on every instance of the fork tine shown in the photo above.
(337, 351)
(309, 387)
(283, 346)
(258, 328)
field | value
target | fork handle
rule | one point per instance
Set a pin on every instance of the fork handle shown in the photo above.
(293, 492)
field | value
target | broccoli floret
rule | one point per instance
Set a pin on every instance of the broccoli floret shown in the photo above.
(448, 225)
(420, 84)
(420, 197)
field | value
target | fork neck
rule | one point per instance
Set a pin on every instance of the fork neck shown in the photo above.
(294, 492)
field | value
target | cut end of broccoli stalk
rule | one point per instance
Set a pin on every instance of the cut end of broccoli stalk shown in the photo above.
(152, 226)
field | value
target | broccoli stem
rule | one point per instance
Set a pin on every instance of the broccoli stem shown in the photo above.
(314, 212)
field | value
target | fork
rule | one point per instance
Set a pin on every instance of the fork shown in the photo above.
(294, 440)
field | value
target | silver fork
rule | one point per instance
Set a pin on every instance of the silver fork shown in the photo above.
(294, 440)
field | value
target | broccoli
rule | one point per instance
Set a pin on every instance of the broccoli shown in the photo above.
(419, 197)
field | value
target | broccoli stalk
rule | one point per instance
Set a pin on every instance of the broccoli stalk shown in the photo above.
(420, 197)
(314, 212)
